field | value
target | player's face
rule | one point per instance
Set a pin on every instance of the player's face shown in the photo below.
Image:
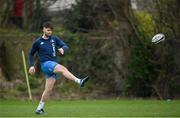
(47, 31)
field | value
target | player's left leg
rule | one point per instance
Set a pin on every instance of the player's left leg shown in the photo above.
(48, 89)
(63, 70)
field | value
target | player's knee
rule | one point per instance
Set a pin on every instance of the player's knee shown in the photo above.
(48, 89)
(62, 69)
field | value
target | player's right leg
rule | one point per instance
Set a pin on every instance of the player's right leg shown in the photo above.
(63, 70)
(47, 91)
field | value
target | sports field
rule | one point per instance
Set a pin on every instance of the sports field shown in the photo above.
(93, 108)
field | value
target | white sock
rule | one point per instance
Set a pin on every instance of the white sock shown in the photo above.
(77, 80)
(40, 106)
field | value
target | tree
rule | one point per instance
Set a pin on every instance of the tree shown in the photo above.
(31, 13)
(166, 14)
(39, 13)
(6, 8)
(152, 68)
(109, 24)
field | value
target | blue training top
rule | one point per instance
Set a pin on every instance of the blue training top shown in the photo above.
(46, 49)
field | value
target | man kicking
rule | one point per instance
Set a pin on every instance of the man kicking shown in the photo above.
(46, 46)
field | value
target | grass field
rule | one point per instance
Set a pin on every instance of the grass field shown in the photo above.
(93, 108)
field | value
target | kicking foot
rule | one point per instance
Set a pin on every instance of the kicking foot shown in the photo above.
(41, 111)
(83, 81)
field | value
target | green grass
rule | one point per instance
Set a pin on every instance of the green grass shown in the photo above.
(93, 108)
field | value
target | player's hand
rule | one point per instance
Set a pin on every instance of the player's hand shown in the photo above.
(32, 70)
(61, 51)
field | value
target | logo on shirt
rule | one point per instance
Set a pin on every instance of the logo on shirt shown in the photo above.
(52, 41)
(41, 43)
(53, 47)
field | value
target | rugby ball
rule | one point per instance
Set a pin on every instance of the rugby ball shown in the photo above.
(158, 38)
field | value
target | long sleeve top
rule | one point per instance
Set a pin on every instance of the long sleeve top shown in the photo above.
(46, 49)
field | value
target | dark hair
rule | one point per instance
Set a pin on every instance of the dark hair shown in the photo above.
(48, 25)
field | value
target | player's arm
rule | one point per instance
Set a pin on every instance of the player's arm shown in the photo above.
(31, 56)
(62, 47)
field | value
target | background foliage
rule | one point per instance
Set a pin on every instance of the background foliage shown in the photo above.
(109, 41)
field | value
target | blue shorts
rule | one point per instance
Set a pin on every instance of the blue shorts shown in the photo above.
(48, 69)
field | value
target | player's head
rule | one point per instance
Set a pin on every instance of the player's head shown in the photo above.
(47, 29)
